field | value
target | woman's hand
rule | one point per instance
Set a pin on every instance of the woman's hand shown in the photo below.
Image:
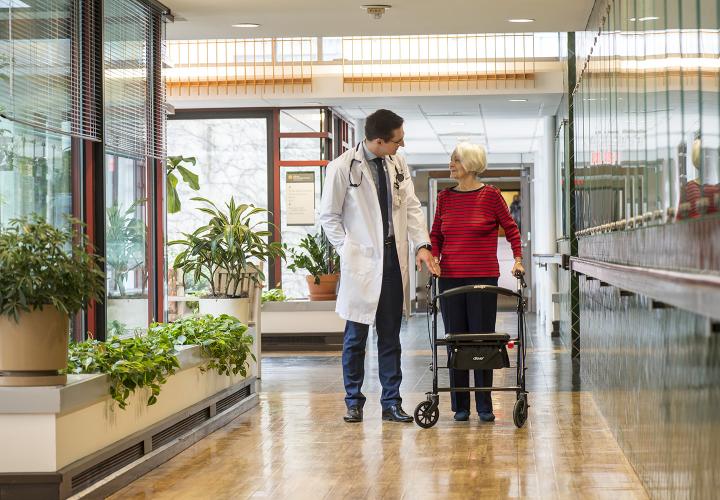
(518, 269)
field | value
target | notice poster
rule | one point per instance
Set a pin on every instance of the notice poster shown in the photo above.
(300, 198)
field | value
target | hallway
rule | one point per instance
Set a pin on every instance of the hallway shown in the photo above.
(295, 444)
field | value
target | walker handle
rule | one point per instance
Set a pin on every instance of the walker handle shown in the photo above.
(521, 279)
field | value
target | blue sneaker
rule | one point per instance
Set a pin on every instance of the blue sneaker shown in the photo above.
(462, 416)
(487, 416)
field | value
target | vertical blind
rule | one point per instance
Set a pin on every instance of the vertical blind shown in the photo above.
(132, 125)
(44, 74)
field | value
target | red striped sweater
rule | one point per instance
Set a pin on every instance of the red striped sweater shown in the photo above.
(465, 232)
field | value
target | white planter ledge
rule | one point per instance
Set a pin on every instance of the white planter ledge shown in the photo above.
(73, 439)
(302, 324)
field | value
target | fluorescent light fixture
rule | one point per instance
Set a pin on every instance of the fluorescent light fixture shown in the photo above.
(643, 19)
(246, 25)
(672, 62)
(521, 20)
(517, 100)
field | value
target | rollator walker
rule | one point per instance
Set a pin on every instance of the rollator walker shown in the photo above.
(475, 351)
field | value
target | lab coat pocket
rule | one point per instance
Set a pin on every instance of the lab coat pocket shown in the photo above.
(356, 259)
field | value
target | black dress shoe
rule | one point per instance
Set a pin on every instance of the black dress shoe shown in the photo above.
(396, 414)
(354, 414)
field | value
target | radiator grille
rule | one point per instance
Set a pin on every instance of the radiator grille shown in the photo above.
(180, 428)
(232, 399)
(103, 469)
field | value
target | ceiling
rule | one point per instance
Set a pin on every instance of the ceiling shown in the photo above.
(287, 18)
(435, 124)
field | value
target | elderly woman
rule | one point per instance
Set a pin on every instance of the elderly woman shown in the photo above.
(464, 241)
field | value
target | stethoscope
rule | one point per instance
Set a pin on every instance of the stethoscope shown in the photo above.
(399, 177)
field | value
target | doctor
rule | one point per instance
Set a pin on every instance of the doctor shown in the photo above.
(369, 211)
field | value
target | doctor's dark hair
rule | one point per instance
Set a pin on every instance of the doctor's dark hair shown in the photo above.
(381, 123)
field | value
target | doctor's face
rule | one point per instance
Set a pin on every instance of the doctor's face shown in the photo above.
(391, 146)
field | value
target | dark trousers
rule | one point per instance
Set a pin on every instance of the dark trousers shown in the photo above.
(388, 319)
(469, 313)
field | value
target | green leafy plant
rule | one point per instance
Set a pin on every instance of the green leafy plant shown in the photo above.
(316, 255)
(175, 163)
(229, 243)
(125, 243)
(42, 265)
(116, 328)
(222, 340)
(146, 362)
(130, 363)
(274, 295)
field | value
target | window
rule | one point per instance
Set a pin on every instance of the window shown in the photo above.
(232, 161)
(35, 173)
(126, 216)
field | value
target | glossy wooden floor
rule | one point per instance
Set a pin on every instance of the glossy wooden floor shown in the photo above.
(295, 444)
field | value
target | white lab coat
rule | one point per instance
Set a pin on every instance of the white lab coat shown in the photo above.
(352, 222)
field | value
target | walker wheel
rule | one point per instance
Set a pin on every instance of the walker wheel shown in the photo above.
(425, 417)
(520, 412)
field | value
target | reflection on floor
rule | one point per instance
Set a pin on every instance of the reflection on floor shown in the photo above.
(295, 444)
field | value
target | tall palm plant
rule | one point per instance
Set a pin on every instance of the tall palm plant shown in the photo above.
(230, 244)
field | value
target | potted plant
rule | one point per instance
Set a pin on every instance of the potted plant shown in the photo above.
(125, 249)
(47, 275)
(228, 252)
(315, 254)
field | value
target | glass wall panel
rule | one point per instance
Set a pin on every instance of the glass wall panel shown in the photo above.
(292, 148)
(303, 120)
(35, 173)
(294, 284)
(647, 115)
(232, 161)
(126, 216)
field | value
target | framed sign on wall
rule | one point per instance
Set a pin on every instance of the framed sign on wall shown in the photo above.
(300, 198)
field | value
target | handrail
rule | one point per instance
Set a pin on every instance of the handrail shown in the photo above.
(694, 292)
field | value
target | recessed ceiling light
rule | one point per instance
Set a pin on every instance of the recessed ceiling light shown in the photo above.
(457, 124)
(643, 19)
(517, 100)
(521, 20)
(246, 25)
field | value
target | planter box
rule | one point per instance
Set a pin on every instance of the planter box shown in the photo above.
(74, 438)
(302, 324)
(239, 308)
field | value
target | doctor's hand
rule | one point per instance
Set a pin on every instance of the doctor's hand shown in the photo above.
(425, 256)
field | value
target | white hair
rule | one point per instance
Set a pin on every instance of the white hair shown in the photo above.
(472, 156)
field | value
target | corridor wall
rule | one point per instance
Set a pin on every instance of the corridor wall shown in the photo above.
(646, 192)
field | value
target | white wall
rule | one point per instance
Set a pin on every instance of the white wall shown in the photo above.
(543, 224)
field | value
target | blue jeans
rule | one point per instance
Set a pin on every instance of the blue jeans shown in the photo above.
(469, 313)
(388, 319)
